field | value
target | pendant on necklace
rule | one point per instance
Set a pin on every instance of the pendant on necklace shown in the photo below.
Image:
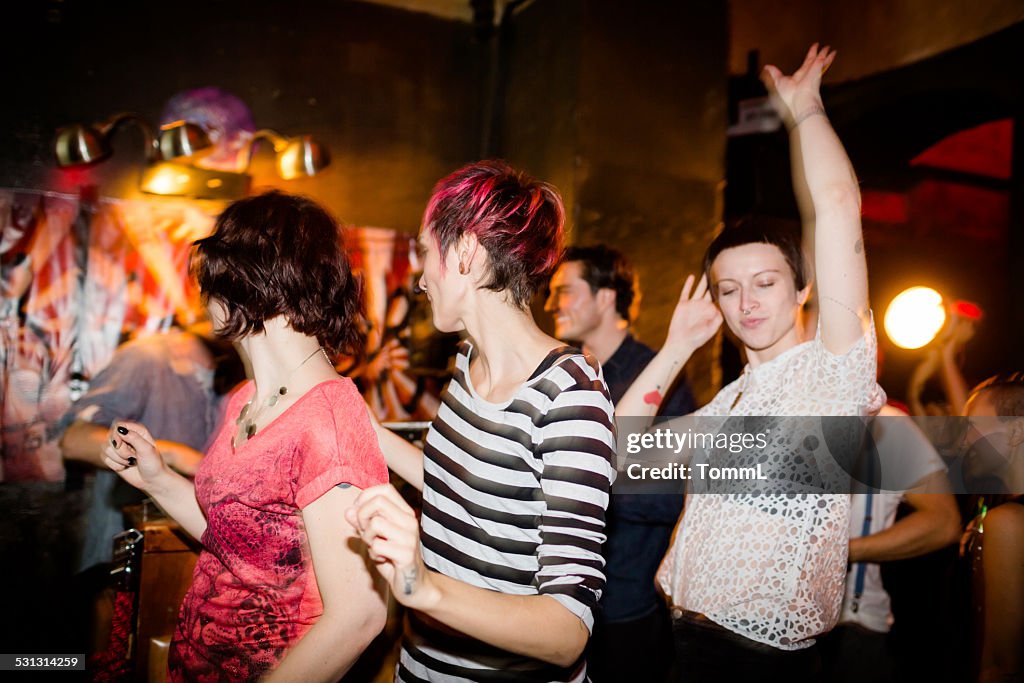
(249, 425)
(736, 400)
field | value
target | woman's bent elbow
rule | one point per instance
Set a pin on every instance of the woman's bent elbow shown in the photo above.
(841, 199)
(375, 622)
(572, 648)
(362, 629)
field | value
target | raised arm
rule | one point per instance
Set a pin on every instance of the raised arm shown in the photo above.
(131, 452)
(823, 168)
(918, 379)
(953, 340)
(694, 321)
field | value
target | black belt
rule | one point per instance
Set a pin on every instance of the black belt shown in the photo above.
(696, 620)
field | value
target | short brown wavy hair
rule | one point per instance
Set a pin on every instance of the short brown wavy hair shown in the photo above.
(278, 254)
(605, 267)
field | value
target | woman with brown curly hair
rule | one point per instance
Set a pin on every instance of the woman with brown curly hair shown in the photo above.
(279, 592)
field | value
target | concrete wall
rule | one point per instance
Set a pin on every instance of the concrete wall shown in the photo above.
(870, 35)
(623, 106)
(395, 95)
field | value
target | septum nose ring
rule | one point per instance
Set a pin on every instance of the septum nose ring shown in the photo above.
(746, 311)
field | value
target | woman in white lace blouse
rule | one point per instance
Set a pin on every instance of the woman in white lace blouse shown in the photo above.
(754, 578)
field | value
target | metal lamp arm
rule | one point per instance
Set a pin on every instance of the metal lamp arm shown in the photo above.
(276, 139)
(108, 127)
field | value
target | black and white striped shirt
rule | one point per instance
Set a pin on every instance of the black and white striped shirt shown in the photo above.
(514, 498)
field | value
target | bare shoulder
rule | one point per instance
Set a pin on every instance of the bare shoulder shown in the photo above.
(1006, 519)
(1004, 529)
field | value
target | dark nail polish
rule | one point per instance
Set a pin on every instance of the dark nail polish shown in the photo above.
(131, 462)
(122, 430)
(113, 443)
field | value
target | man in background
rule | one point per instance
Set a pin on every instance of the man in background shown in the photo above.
(594, 298)
(166, 381)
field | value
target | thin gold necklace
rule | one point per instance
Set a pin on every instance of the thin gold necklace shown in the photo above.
(743, 389)
(248, 421)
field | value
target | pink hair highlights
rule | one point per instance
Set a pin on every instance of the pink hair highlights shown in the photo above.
(518, 220)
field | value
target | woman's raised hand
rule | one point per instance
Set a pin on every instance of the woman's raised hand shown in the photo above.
(391, 532)
(696, 318)
(131, 452)
(798, 96)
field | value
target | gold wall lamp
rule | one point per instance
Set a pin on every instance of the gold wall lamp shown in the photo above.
(170, 154)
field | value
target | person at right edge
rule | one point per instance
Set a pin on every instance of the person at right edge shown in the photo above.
(754, 578)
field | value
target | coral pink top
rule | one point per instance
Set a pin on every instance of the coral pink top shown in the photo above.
(254, 593)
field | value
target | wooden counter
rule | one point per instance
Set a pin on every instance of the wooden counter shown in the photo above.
(168, 557)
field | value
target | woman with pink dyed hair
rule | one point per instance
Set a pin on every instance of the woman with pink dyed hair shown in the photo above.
(504, 569)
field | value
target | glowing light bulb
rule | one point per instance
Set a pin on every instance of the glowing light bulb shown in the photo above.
(914, 317)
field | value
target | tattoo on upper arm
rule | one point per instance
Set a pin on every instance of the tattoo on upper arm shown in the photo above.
(409, 577)
(859, 247)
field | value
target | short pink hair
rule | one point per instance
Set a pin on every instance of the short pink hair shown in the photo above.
(517, 219)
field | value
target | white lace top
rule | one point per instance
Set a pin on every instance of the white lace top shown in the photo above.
(771, 567)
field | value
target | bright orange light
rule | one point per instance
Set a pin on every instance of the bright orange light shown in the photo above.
(914, 317)
(166, 181)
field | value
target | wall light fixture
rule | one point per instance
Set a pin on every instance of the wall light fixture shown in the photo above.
(171, 152)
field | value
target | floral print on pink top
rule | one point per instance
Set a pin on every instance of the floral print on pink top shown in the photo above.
(254, 593)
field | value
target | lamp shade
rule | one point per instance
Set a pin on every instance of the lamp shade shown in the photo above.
(182, 139)
(301, 156)
(79, 144)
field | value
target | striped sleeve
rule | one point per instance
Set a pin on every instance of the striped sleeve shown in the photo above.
(576, 445)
